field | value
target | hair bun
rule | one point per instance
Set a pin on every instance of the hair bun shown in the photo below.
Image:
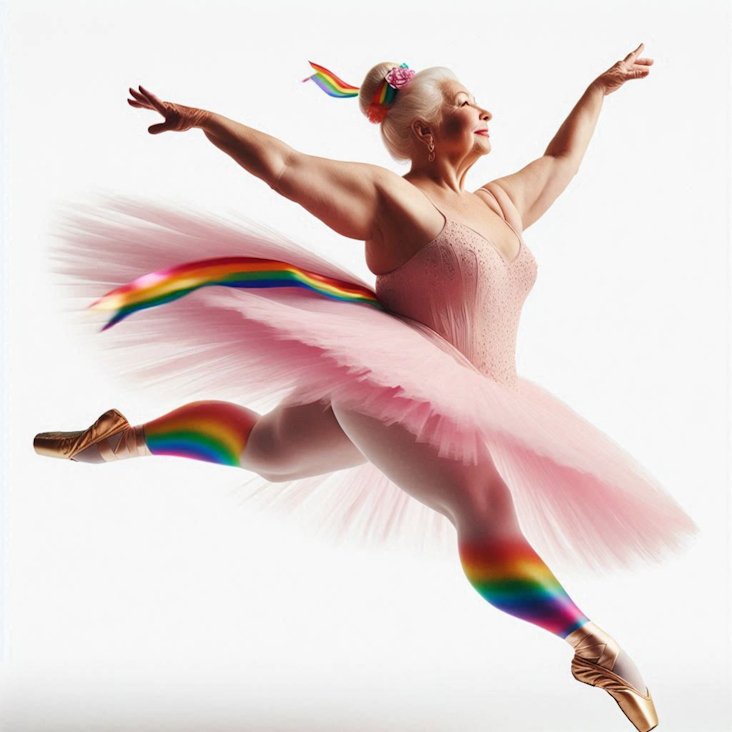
(374, 79)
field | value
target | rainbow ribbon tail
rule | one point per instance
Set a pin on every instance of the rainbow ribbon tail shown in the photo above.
(166, 285)
(330, 83)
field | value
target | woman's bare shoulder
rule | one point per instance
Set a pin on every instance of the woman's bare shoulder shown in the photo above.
(406, 222)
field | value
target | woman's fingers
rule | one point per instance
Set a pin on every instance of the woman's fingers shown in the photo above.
(139, 102)
(157, 129)
(157, 103)
(147, 97)
(139, 97)
(147, 100)
(630, 58)
(177, 117)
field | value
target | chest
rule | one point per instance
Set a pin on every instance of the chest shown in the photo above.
(461, 269)
(403, 234)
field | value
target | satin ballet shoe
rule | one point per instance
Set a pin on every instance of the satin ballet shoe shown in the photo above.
(68, 445)
(594, 659)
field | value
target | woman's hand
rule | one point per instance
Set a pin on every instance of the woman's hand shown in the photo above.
(177, 117)
(631, 67)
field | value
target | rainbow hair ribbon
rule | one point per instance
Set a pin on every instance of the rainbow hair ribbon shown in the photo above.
(165, 285)
(330, 83)
(395, 79)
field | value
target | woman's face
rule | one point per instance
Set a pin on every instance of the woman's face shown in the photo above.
(462, 129)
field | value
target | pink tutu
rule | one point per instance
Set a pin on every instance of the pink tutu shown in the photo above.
(581, 499)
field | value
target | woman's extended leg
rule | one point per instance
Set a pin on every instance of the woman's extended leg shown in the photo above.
(496, 557)
(287, 443)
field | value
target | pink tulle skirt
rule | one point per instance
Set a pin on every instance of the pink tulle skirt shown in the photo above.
(581, 499)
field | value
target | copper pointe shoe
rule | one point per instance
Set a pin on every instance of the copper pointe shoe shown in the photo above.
(594, 658)
(67, 445)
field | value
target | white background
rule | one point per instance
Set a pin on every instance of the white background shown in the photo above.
(143, 596)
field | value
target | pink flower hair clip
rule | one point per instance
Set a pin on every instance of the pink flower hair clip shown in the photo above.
(399, 76)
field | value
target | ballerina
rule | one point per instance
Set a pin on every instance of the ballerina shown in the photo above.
(422, 386)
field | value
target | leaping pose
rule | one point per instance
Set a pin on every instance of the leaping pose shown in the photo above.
(424, 388)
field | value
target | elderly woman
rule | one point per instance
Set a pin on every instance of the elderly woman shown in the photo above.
(423, 385)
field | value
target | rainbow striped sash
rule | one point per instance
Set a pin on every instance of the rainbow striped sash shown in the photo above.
(157, 288)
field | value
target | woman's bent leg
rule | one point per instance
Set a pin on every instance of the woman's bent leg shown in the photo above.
(497, 559)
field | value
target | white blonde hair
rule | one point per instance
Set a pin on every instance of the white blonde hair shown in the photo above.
(422, 98)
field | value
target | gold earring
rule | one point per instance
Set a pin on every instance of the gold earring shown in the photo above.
(431, 148)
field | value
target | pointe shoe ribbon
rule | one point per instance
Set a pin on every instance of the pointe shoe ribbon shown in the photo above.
(594, 659)
(131, 443)
(66, 445)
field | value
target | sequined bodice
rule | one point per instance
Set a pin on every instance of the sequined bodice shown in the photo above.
(463, 288)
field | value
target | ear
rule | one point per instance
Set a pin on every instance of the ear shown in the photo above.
(421, 129)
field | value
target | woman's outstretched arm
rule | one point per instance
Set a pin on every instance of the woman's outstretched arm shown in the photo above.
(257, 152)
(345, 195)
(260, 154)
(535, 187)
(573, 137)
